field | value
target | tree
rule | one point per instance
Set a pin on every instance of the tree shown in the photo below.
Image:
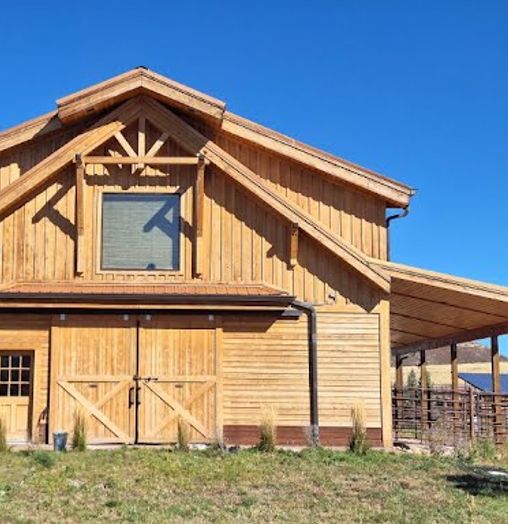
(411, 380)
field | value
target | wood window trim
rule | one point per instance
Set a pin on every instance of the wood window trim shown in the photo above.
(20, 353)
(98, 232)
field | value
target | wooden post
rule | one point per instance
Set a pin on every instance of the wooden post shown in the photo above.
(399, 387)
(293, 245)
(141, 140)
(79, 215)
(399, 372)
(386, 380)
(455, 383)
(471, 415)
(199, 202)
(496, 385)
(423, 390)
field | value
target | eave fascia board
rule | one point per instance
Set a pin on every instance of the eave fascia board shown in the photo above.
(394, 193)
(42, 173)
(444, 281)
(29, 130)
(138, 81)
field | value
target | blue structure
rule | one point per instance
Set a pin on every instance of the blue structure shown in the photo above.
(483, 381)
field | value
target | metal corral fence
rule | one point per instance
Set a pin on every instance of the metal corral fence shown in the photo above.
(456, 416)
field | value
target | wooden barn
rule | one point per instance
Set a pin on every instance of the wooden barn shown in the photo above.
(164, 260)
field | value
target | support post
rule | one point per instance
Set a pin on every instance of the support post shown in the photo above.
(454, 369)
(386, 374)
(399, 388)
(496, 386)
(472, 409)
(79, 216)
(399, 372)
(199, 201)
(423, 391)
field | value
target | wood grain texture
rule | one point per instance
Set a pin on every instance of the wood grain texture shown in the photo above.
(266, 363)
(197, 143)
(31, 333)
(180, 353)
(248, 435)
(246, 243)
(92, 366)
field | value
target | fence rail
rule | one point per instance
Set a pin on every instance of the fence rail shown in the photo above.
(457, 415)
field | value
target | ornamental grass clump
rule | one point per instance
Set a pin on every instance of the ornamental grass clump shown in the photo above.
(268, 429)
(79, 432)
(358, 442)
(3, 437)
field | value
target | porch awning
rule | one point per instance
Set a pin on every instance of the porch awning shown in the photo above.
(430, 310)
(131, 294)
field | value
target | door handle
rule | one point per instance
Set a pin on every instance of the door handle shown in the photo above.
(131, 396)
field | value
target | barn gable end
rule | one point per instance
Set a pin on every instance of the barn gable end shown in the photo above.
(269, 230)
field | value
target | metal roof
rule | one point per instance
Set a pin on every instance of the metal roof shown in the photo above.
(483, 381)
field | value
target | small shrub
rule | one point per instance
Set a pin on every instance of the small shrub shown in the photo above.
(462, 449)
(183, 435)
(268, 429)
(79, 432)
(484, 449)
(218, 441)
(3, 437)
(44, 458)
(358, 442)
(438, 435)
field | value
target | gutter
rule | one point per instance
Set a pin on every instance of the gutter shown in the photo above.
(310, 311)
(403, 214)
(147, 298)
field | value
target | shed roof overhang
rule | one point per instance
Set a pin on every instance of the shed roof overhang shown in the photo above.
(86, 295)
(430, 310)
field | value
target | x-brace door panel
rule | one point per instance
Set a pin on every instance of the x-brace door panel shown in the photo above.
(93, 363)
(177, 379)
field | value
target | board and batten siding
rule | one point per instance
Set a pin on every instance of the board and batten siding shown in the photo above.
(266, 364)
(243, 241)
(357, 217)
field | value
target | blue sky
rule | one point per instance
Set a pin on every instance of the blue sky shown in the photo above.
(415, 90)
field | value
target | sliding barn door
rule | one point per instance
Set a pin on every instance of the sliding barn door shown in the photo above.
(93, 362)
(179, 380)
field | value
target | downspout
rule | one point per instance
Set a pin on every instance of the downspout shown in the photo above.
(310, 311)
(403, 214)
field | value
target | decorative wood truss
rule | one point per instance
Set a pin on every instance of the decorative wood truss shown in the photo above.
(202, 152)
(138, 159)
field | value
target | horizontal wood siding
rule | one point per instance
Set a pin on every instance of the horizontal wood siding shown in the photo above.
(349, 367)
(265, 364)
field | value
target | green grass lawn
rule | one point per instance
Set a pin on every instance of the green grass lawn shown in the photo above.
(156, 485)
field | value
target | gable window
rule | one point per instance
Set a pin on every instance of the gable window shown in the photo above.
(141, 231)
